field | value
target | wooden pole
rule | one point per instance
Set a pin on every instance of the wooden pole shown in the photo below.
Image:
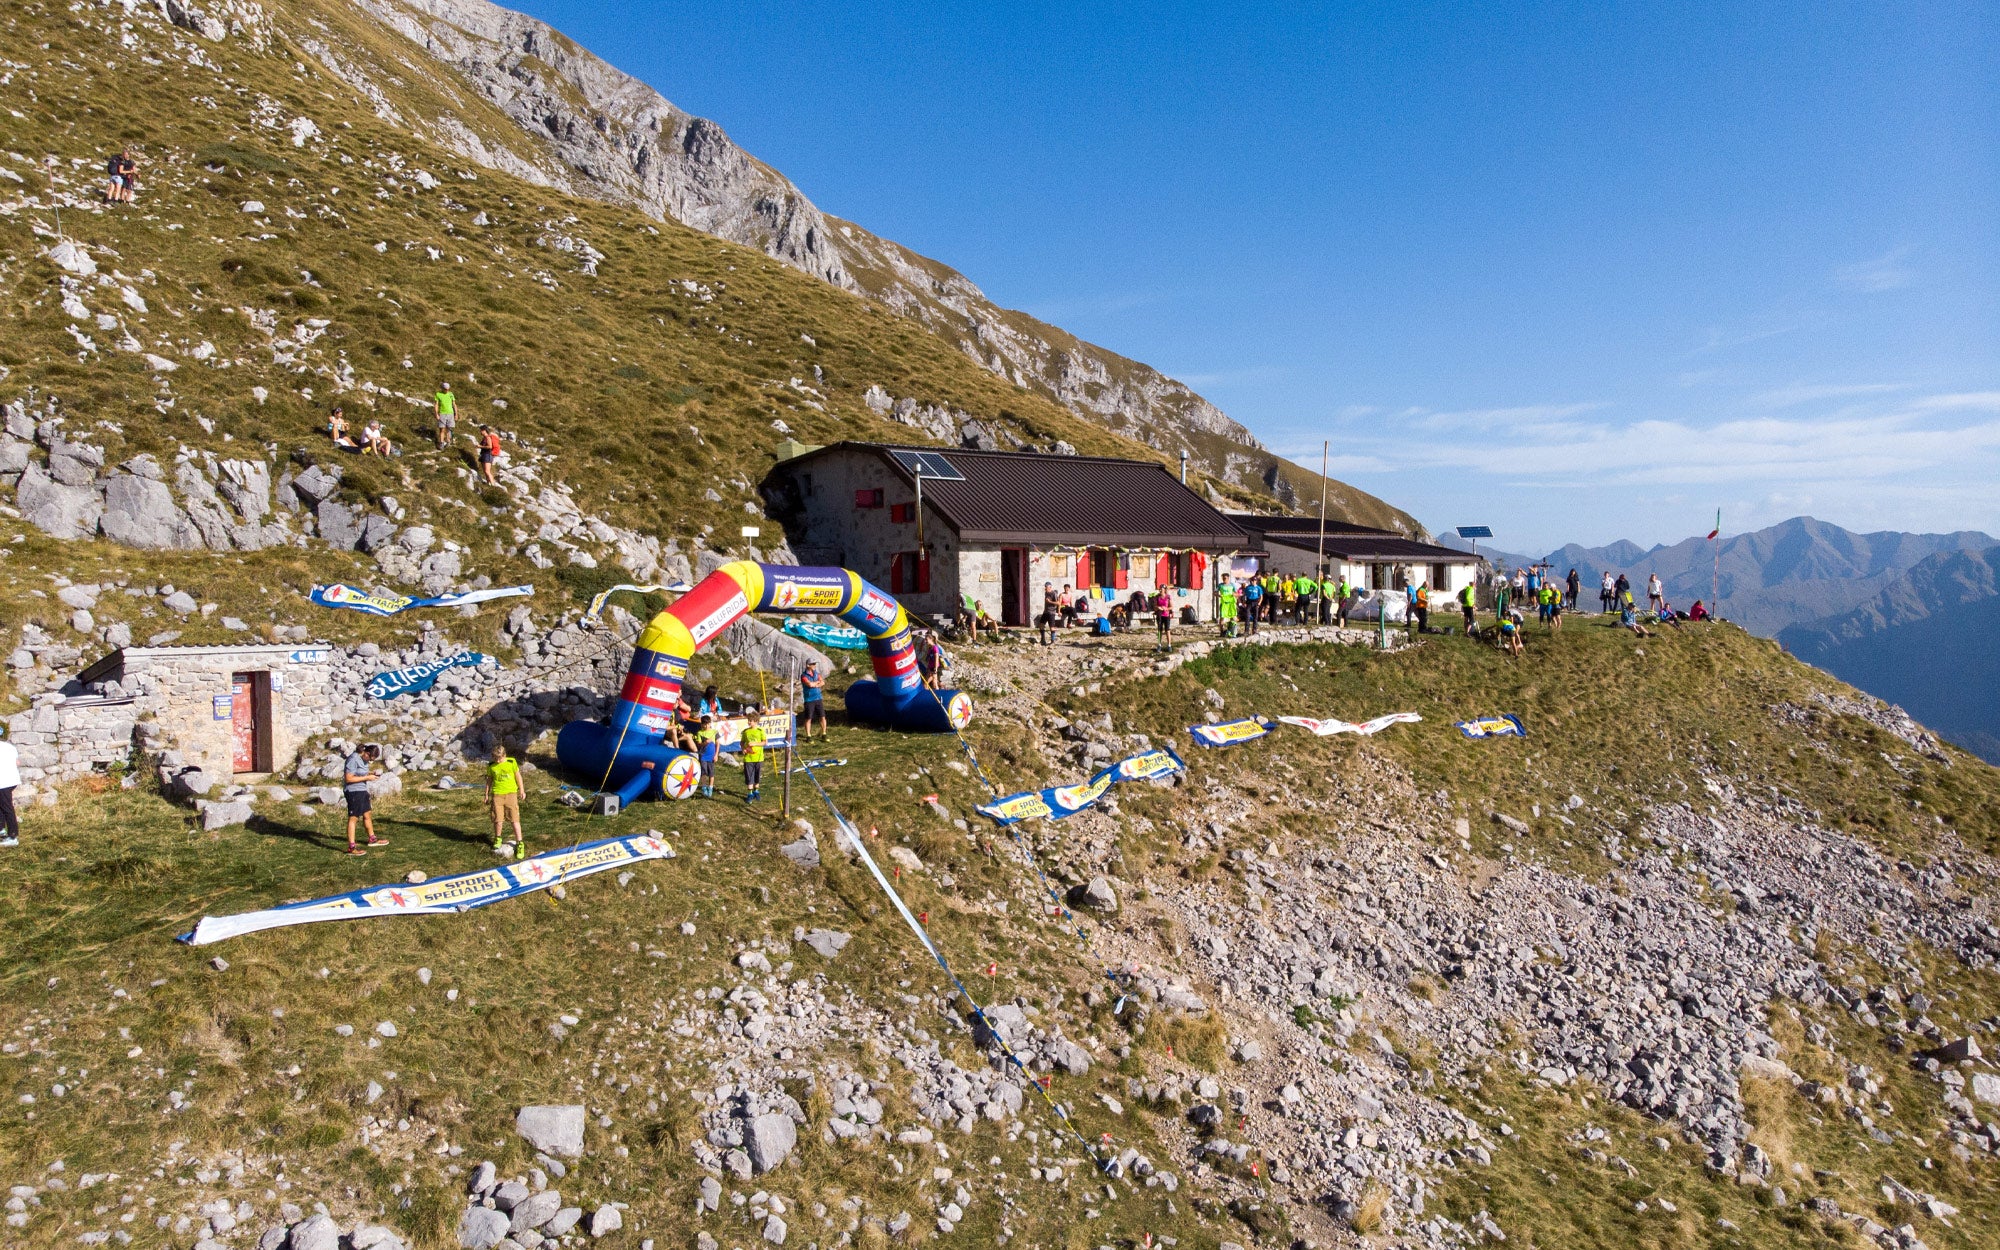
(791, 709)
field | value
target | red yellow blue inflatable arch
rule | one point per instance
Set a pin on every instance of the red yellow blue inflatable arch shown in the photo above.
(629, 754)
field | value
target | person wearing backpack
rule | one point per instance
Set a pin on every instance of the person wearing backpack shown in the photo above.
(124, 175)
(1468, 600)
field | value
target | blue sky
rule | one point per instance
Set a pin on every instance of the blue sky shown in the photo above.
(1579, 272)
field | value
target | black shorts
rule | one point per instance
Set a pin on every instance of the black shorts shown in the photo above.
(359, 802)
(487, 457)
(813, 710)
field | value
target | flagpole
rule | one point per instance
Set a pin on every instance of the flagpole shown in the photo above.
(1715, 579)
(1319, 552)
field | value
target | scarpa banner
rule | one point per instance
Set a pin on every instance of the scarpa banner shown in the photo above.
(1057, 802)
(837, 637)
(1506, 725)
(445, 895)
(1230, 732)
(1325, 728)
(671, 588)
(338, 596)
(419, 677)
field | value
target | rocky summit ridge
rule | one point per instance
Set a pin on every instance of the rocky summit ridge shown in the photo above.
(590, 129)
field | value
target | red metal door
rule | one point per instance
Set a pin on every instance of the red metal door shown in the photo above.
(243, 715)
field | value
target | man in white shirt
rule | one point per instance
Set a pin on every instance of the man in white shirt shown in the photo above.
(10, 776)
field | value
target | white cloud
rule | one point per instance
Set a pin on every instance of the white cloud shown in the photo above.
(1806, 393)
(1886, 272)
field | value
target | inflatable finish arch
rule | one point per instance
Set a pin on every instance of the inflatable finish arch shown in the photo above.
(630, 755)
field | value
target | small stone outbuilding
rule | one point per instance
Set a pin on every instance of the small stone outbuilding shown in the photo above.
(228, 710)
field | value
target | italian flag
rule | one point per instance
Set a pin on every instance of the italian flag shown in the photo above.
(1718, 526)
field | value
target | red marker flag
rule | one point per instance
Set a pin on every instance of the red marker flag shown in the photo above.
(1718, 526)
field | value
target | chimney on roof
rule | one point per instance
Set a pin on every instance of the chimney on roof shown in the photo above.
(1184, 466)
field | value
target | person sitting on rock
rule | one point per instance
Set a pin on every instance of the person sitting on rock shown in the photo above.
(336, 428)
(374, 441)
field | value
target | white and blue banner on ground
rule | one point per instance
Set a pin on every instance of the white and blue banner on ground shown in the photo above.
(339, 596)
(1505, 725)
(838, 637)
(1057, 802)
(1231, 732)
(421, 677)
(1326, 728)
(443, 896)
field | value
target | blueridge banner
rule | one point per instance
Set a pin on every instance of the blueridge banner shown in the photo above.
(838, 637)
(338, 596)
(444, 896)
(1230, 732)
(420, 677)
(1506, 725)
(1057, 802)
(1326, 728)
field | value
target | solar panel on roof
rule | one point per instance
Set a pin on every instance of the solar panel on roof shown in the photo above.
(928, 464)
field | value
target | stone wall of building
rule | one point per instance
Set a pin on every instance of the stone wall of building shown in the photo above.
(161, 701)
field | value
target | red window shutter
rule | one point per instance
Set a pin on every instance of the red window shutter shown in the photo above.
(1163, 572)
(1197, 565)
(902, 513)
(1120, 571)
(923, 573)
(896, 574)
(1085, 568)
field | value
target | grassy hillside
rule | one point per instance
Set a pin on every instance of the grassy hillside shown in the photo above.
(597, 997)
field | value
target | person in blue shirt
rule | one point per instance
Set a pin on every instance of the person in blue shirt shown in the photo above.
(812, 703)
(1253, 604)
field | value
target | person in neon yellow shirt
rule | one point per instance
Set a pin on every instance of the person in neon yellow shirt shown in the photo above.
(446, 405)
(503, 797)
(750, 745)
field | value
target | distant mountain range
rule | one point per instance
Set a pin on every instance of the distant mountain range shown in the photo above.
(1926, 642)
(1905, 617)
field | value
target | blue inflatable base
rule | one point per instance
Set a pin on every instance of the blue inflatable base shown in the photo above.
(922, 714)
(585, 746)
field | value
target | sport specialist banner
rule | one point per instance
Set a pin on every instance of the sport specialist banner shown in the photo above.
(729, 730)
(1506, 725)
(1057, 802)
(444, 896)
(338, 596)
(420, 677)
(1230, 732)
(838, 637)
(1325, 728)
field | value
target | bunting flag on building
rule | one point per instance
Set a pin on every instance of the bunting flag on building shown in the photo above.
(443, 896)
(338, 596)
(1230, 732)
(421, 677)
(836, 637)
(1056, 802)
(1506, 725)
(1325, 728)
